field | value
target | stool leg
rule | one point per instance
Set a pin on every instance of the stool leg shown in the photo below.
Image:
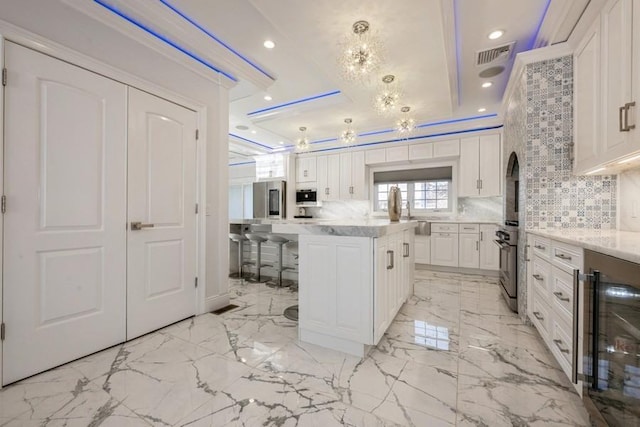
(240, 256)
(280, 265)
(258, 260)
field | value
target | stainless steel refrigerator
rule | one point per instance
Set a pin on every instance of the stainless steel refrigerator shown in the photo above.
(269, 199)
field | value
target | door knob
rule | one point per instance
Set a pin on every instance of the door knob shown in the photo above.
(137, 225)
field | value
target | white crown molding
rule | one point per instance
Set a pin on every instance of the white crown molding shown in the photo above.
(163, 20)
(530, 57)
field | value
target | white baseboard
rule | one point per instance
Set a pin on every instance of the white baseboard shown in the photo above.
(460, 270)
(216, 302)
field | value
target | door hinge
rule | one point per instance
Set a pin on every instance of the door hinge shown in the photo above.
(3, 204)
(2, 330)
(197, 134)
(196, 208)
(196, 281)
(4, 76)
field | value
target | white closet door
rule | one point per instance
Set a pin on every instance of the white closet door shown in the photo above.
(161, 259)
(65, 242)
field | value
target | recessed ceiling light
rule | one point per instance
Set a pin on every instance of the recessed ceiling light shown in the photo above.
(487, 84)
(242, 127)
(253, 132)
(281, 143)
(496, 34)
(267, 98)
(482, 110)
(269, 44)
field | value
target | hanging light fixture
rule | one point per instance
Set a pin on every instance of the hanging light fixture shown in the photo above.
(348, 136)
(406, 124)
(361, 53)
(388, 95)
(302, 143)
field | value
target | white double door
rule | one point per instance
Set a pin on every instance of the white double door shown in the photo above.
(84, 158)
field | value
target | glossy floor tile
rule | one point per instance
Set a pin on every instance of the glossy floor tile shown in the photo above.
(455, 355)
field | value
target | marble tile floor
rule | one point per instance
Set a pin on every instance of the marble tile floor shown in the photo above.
(455, 355)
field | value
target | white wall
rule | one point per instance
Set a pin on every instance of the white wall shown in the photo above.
(629, 200)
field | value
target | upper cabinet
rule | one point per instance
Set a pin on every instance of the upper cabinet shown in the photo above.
(480, 166)
(607, 86)
(352, 176)
(305, 169)
(328, 174)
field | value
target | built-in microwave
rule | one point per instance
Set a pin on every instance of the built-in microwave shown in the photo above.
(307, 197)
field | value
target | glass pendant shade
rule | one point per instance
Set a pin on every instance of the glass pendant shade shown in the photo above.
(302, 143)
(348, 136)
(405, 124)
(388, 95)
(361, 53)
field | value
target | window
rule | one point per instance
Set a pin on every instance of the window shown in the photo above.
(425, 195)
(427, 189)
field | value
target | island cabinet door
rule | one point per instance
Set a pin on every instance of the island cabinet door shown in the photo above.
(381, 294)
(336, 285)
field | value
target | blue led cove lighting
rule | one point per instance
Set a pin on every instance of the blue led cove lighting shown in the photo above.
(298, 101)
(214, 37)
(250, 141)
(165, 39)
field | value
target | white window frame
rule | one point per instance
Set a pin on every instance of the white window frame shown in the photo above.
(453, 190)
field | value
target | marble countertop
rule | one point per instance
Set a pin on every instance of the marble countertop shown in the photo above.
(368, 227)
(620, 244)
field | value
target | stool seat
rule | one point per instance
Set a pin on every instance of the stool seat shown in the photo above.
(280, 241)
(258, 239)
(239, 239)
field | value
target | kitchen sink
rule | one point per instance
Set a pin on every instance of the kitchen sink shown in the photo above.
(423, 228)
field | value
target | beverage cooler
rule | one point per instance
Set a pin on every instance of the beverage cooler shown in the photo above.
(612, 341)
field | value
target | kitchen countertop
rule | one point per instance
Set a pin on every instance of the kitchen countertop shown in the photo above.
(368, 227)
(620, 244)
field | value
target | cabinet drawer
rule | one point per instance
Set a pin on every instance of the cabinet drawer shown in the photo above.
(541, 276)
(541, 247)
(562, 343)
(541, 315)
(566, 257)
(562, 292)
(469, 228)
(437, 227)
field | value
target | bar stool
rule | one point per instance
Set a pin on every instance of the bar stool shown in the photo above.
(258, 239)
(239, 239)
(279, 241)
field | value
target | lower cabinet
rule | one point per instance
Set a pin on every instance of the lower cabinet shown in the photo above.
(351, 288)
(466, 245)
(469, 250)
(551, 303)
(422, 249)
(444, 249)
(489, 250)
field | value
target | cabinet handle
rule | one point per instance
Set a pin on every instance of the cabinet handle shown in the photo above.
(542, 248)
(390, 260)
(406, 250)
(445, 234)
(351, 189)
(564, 257)
(481, 237)
(538, 277)
(477, 184)
(326, 191)
(562, 350)
(477, 245)
(561, 296)
(620, 114)
(627, 126)
(481, 184)
(538, 315)
(305, 173)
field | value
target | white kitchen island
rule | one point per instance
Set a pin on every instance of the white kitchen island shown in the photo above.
(354, 275)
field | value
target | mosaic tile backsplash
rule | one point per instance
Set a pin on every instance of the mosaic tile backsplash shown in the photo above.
(539, 128)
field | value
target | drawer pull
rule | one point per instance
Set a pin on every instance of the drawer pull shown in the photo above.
(538, 277)
(561, 296)
(538, 315)
(564, 257)
(562, 350)
(542, 248)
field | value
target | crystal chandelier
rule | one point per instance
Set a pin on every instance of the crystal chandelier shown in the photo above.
(406, 124)
(348, 136)
(361, 53)
(302, 143)
(388, 96)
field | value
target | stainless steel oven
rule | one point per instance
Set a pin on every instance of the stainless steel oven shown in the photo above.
(611, 343)
(507, 240)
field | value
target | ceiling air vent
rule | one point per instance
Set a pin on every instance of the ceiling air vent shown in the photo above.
(497, 54)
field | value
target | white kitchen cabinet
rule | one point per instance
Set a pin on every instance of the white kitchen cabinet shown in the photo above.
(328, 177)
(469, 250)
(607, 82)
(444, 249)
(421, 151)
(375, 156)
(397, 154)
(480, 166)
(306, 169)
(448, 148)
(352, 176)
(489, 251)
(422, 249)
(408, 265)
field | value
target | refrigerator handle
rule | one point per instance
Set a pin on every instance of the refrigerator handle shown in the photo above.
(576, 323)
(595, 329)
